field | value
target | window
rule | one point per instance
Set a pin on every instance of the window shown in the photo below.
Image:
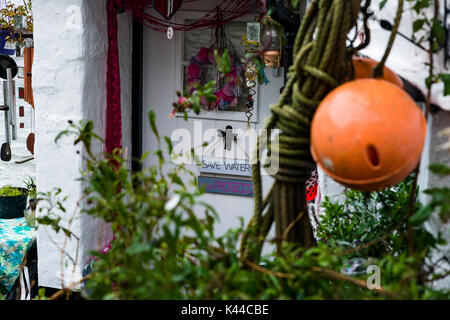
(190, 42)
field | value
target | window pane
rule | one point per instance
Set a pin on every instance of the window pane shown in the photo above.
(194, 40)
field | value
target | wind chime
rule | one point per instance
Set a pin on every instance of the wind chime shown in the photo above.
(251, 71)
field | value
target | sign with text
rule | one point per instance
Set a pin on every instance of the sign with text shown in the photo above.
(227, 186)
(226, 166)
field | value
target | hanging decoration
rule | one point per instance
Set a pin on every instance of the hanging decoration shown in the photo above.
(251, 75)
(228, 91)
(230, 10)
(113, 139)
(272, 40)
(252, 42)
(167, 8)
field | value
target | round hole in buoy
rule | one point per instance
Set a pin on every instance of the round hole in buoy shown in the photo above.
(372, 155)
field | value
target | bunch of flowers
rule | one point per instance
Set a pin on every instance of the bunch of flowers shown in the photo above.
(227, 95)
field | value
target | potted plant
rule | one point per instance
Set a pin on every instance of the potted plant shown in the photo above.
(13, 201)
(30, 212)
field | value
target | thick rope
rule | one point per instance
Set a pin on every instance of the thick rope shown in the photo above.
(378, 70)
(319, 51)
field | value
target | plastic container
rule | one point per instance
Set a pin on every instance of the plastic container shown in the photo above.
(13, 207)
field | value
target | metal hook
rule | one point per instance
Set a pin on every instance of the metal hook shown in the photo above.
(228, 135)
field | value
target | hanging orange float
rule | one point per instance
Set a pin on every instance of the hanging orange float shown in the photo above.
(368, 134)
(363, 68)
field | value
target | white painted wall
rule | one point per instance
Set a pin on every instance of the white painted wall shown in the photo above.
(69, 77)
(406, 59)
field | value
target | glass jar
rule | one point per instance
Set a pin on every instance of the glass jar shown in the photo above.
(271, 42)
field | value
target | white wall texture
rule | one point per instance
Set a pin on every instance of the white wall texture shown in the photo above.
(70, 84)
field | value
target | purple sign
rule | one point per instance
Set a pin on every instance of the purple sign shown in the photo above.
(227, 186)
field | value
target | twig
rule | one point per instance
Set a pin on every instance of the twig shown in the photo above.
(440, 277)
(330, 273)
(267, 271)
(293, 222)
(66, 290)
(339, 276)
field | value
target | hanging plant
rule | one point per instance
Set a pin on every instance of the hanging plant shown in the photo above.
(228, 88)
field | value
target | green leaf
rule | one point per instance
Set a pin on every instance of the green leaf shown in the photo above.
(382, 4)
(296, 2)
(438, 31)
(418, 24)
(421, 216)
(152, 121)
(440, 169)
(169, 144)
(445, 78)
(223, 62)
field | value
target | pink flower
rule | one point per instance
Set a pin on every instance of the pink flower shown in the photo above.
(193, 70)
(182, 100)
(173, 113)
(228, 90)
(220, 95)
(202, 55)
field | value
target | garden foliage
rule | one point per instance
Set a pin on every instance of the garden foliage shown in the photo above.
(165, 246)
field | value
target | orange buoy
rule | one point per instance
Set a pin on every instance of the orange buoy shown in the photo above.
(368, 134)
(364, 69)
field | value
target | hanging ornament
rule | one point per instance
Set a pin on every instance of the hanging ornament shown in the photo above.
(368, 134)
(271, 41)
(170, 33)
(167, 8)
(254, 32)
(251, 75)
